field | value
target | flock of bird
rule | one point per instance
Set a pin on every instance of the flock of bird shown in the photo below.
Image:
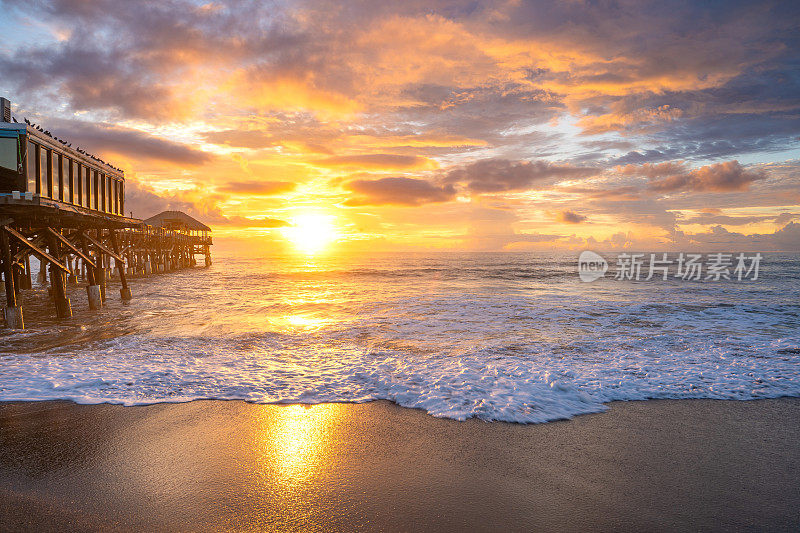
(65, 143)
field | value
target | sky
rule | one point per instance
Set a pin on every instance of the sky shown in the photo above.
(437, 125)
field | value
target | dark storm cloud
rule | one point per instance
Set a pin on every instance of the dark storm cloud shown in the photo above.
(397, 191)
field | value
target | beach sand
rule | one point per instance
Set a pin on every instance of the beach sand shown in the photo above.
(218, 465)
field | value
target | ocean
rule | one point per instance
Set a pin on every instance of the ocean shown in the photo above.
(515, 337)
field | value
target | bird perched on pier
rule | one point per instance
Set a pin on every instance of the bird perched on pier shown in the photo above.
(14, 119)
(28, 122)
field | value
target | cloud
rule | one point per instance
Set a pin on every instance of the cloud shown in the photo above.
(397, 191)
(102, 138)
(514, 241)
(377, 161)
(653, 170)
(719, 177)
(604, 107)
(570, 217)
(708, 219)
(240, 138)
(144, 202)
(501, 175)
(786, 239)
(258, 188)
(783, 218)
(248, 222)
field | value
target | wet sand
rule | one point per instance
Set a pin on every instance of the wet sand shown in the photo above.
(230, 465)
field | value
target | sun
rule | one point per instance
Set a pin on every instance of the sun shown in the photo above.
(311, 233)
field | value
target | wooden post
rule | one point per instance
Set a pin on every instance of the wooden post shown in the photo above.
(42, 278)
(100, 269)
(72, 279)
(124, 292)
(100, 277)
(27, 277)
(13, 312)
(58, 282)
(92, 288)
(18, 274)
(17, 270)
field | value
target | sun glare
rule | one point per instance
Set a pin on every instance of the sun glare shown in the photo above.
(311, 233)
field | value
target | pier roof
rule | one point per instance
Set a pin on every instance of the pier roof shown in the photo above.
(176, 220)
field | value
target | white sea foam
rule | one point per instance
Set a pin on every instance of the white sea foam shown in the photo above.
(489, 343)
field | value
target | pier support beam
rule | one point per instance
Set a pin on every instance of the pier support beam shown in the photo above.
(95, 299)
(13, 316)
(124, 292)
(12, 311)
(72, 279)
(42, 277)
(100, 279)
(26, 281)
(59, 282)
(92, 288)
(17, 270)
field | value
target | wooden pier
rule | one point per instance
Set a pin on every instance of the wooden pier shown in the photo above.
(66, 208)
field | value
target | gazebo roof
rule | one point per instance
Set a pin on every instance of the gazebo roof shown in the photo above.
(170, 219)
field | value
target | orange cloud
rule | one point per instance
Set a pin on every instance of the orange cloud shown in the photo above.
(570, 217)
(377, 161)
(397, 191)
(257, 188)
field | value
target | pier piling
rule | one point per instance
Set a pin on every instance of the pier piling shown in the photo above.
(12, 311)
(124, 291)
(58, 280)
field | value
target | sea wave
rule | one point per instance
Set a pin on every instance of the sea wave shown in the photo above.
(490, 345)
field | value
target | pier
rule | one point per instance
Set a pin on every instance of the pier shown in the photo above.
(66, 208)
